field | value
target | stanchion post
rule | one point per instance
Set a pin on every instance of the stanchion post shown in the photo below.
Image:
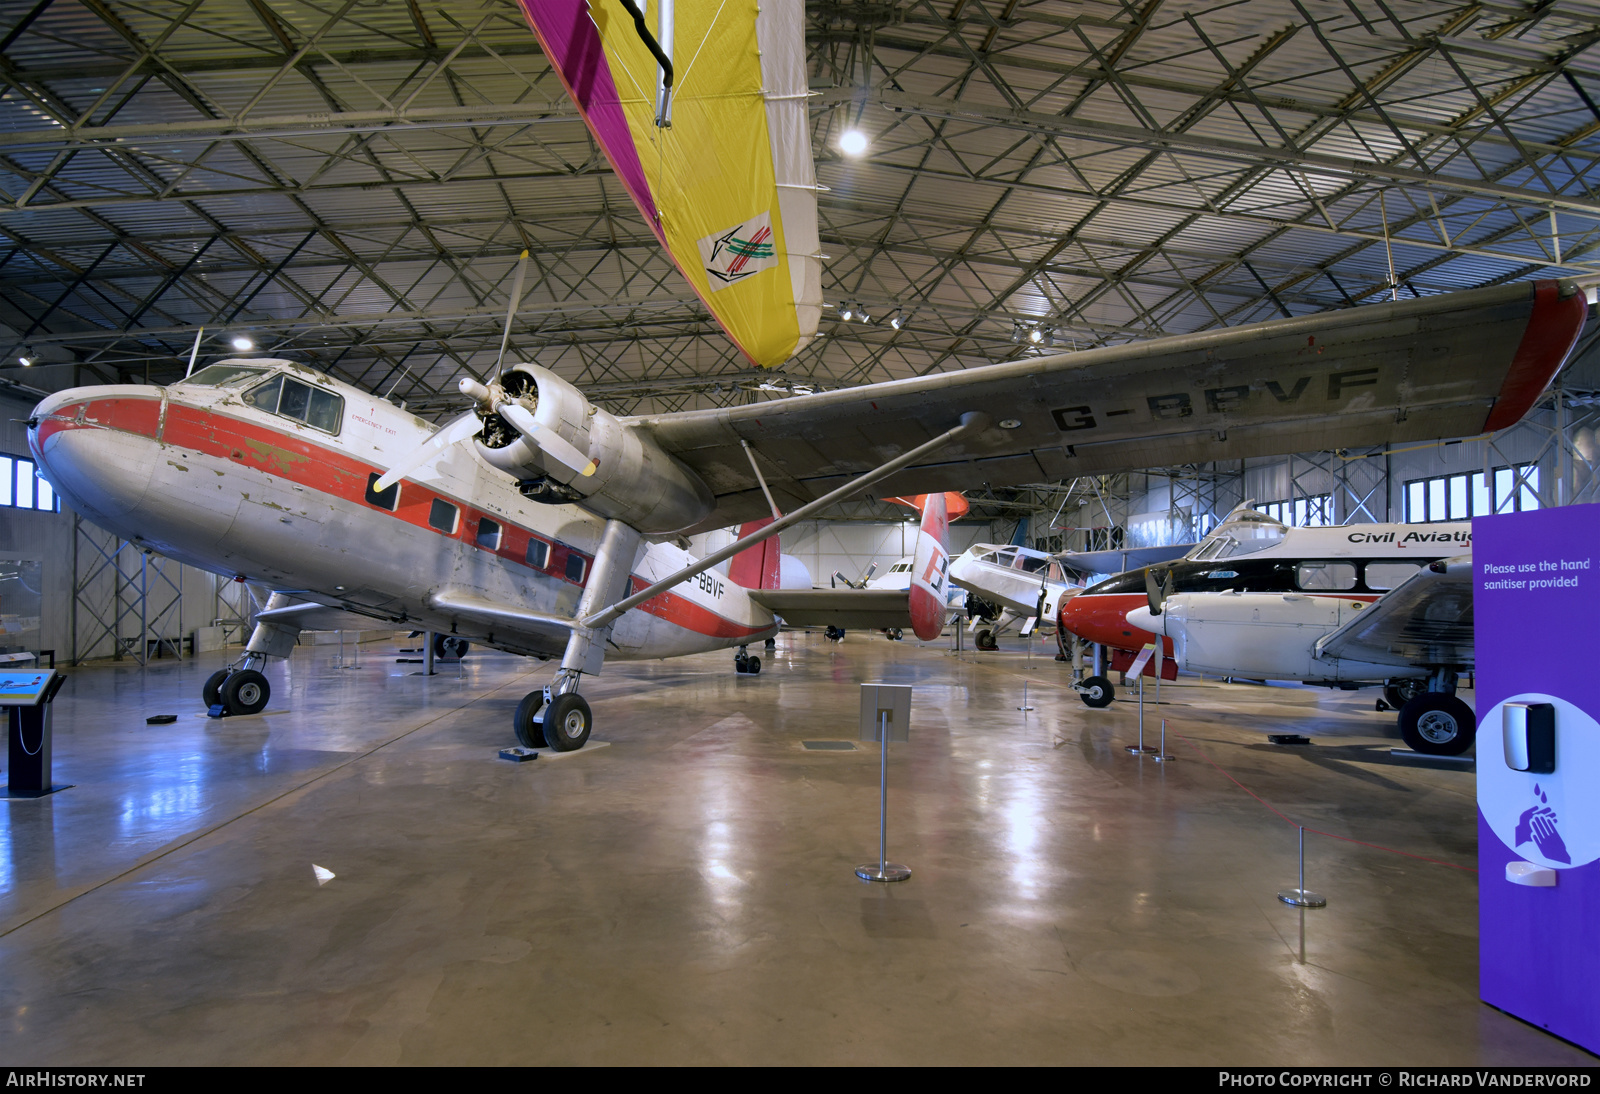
(1161, 755)
(1302, 897)
(885, 713)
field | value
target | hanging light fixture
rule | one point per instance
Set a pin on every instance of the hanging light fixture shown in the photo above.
(852, 142)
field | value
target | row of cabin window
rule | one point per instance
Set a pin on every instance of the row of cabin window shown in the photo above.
(443, 517)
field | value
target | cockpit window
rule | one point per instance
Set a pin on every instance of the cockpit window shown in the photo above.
(1243, 533)
(225, 375)
(289, 397)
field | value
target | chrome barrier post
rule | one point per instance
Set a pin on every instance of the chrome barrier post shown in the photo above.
(1302, 897)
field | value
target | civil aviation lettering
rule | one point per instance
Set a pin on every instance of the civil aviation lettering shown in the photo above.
(1437, 537)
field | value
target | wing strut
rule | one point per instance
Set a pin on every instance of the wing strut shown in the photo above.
(971, 422)
(750, 454)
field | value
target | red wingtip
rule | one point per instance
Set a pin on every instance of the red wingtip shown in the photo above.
(1552, 331)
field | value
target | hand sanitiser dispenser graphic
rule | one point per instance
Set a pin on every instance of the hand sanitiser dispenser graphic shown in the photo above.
(1538, 812)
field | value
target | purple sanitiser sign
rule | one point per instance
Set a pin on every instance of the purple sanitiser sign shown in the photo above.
(1536, 600)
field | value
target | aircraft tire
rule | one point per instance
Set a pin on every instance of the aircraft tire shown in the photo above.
(211, 692)
(1398, 692)
(984, 640)
(567, 722)
(448, 647)
(1437, 724)
(1099, 692)
(753, 666)
(245, 692)
(530, 734)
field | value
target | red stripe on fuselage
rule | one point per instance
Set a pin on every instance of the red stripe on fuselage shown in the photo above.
(331, 471)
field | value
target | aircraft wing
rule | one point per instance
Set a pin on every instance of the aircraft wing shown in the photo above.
(1115, 562)
(1449, 365)
(1426, 620)
(523, 621)
(858, 609)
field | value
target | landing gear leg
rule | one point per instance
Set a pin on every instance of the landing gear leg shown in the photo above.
(241, 688)
(558, 716)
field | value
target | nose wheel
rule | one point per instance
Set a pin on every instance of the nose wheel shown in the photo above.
(745, 663)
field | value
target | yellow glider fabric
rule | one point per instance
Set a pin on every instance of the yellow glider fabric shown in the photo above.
(729, 188)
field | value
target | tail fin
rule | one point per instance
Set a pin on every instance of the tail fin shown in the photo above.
(955, 504)
(756, 567)
(930, 566)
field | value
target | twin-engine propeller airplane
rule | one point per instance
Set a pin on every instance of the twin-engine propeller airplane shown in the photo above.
(542, 524)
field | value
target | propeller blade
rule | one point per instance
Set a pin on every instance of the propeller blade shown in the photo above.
(511, 312)
(548, 440)
(1155, 589)
(457, 431)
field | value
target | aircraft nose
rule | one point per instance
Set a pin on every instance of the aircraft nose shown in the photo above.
(100, 460)
(1146, 620)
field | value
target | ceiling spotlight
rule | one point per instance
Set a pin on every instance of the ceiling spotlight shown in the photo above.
(852, 142)
(1035, 335)
(1018, 332)
(241, 343)
(26, 360)
(861, 314)
(897, 320)
(846, 312)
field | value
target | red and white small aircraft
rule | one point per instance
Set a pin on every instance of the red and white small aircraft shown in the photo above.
(542, 524)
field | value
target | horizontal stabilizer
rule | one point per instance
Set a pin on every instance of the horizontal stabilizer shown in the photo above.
(852, 609)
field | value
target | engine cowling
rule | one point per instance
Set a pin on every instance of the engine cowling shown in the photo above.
(635, 480)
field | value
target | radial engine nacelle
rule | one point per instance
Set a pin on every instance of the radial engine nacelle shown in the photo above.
(634, 480)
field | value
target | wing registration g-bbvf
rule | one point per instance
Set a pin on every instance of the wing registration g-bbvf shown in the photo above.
(1450, 365)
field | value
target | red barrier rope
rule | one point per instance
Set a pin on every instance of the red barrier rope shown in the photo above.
(1317, 831)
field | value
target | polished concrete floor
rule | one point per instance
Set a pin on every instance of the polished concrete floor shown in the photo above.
(687, 895)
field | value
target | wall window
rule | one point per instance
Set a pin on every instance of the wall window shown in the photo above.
(1464, 496)
(22, 488)
(538, 554)
(442, 515)
(1313, 512)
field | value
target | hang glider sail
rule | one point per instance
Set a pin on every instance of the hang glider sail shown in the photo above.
(725, 180)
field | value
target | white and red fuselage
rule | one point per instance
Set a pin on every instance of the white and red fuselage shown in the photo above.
(199, 474)
(1341, 568)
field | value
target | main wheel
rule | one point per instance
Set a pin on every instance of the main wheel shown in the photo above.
(212, 691)
(1097, 692)
(567, 722)
(245, 692)
(448, 647)
(984, 640)
(1438, 724)
(895, 634)
(1397, 693)
(530, 734)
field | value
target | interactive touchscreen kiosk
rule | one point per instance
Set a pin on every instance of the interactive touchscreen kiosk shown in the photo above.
(27, 696)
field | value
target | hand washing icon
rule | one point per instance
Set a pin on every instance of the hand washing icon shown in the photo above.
(1538, 826)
